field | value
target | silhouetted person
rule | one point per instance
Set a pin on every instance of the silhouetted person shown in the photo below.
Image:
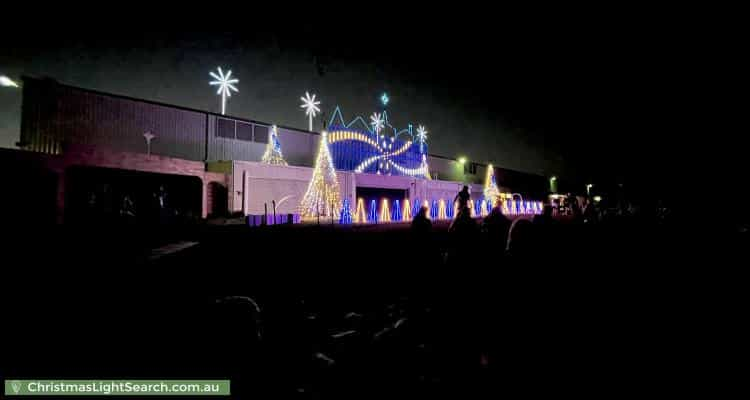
(463, 198)
(545, 227)
(545, 218)
(496, 225)
(421, 224)
(463, 234)
(520, 238)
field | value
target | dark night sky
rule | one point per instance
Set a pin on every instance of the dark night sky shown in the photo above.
(561, 94)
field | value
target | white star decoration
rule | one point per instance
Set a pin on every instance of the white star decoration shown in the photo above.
(226, 86)
(377, 122)
(310, 106)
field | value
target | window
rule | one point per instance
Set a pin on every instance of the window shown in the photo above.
(225, 128)
(261, 134)
(244, 131)
(470, 168)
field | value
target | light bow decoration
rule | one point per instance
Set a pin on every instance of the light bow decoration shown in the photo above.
(377, 147)
(225, 84)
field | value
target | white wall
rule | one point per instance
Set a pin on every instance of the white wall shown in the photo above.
(253, 184)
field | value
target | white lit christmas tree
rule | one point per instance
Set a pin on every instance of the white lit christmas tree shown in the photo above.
(323, 197)
(273, 149)
(491, 192)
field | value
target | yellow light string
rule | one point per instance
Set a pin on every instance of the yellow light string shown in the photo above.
(406, 214)
(359, 216)
(385, 212)
(441, 209)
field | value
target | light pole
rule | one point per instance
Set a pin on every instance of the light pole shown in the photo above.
(148, 136)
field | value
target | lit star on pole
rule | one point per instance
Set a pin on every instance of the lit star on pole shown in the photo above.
(226, 86)
(422, 136)
(310, 106)
(378, 123)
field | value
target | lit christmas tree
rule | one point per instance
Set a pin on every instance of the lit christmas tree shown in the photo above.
(396, 214)
(372, 216)
(323, 197)
(346, 213)
(273, 149)
(491, 192)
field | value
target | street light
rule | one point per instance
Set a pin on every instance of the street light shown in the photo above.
(588, 188)
(7, 82)
(462, 160)
(553, 184)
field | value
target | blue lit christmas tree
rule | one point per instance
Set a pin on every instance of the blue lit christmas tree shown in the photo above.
(273, 149)
(372, 215)
(415, 208)
(346, 213)
(396, 213)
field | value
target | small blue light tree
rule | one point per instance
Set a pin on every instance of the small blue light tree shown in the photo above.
(396, 213)
(372, 215)
(346, 213)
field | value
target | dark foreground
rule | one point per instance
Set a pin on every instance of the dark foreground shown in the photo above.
(627, 307)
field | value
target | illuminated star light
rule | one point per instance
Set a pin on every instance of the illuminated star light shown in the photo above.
(226, 86)
(377, 122)
(422, 136)
(384, 99)
(311, 107)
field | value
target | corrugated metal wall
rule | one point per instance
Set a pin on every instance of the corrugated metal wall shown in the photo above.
(74, 116)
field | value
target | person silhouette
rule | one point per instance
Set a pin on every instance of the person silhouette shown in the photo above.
(463, 198)
(421, 224)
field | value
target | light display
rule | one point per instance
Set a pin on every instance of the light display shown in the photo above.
(422, 136)
(483, 211)
(311, 108)
(396, 214)
(385, 211)
(376, 147)
(407, 215)
(372, 216)
(415, 208)
(384, 99)
(360, 216)
(478, 205)
(491, 192)
(225, 84)
(437, 210)
(273, 149)
(434, 209)
(323, 196)
(346, 213)
(377, 122)
(441, 210)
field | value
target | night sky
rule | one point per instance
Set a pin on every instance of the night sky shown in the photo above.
(558, 94)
